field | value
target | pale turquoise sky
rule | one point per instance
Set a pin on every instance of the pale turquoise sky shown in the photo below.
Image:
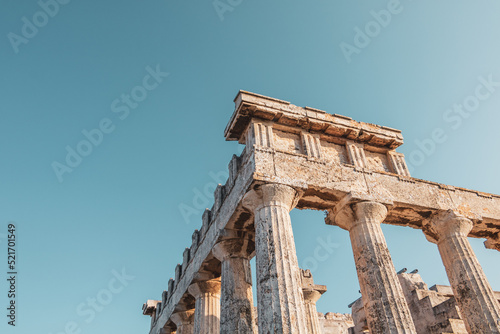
(119, 206)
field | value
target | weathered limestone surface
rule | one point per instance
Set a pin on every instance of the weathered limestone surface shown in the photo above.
(236, 292)
(383, 299)
(279, 293)
(325, 183)
(358, 317)
(335, 323)
(477, 302)
(207, 306)
(184, 320)
(434, 310)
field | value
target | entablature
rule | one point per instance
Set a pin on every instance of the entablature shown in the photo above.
(254, 106)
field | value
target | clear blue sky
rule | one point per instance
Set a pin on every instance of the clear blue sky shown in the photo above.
(119, 207)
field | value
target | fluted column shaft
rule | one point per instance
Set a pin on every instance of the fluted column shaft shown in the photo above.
(236, 315)
(184, 321)
(279, 294)
(207, 306)
(383, 299)
(310, 299)
(479, 308)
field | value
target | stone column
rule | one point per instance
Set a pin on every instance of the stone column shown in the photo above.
(383, 299)
(184, 321)
(236, 290)
(478, 306)
(312, 292)
(310, 299)
(279, 293)
(207, 306)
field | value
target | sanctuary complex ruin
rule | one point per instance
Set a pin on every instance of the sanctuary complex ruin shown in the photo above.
(305, 158)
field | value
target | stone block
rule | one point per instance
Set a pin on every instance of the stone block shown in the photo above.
(171, 287)
(178, 272)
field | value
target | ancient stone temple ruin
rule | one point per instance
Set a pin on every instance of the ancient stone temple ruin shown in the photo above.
(306, 158)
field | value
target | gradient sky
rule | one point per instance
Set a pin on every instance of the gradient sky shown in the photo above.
(119, 208)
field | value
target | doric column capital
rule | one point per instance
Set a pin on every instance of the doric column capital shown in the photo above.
(236, 247)
(182, 318)
(348, 215)
(445, 224)
(311, 295)
(272, 194)
(205, 287)
(312, 292)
